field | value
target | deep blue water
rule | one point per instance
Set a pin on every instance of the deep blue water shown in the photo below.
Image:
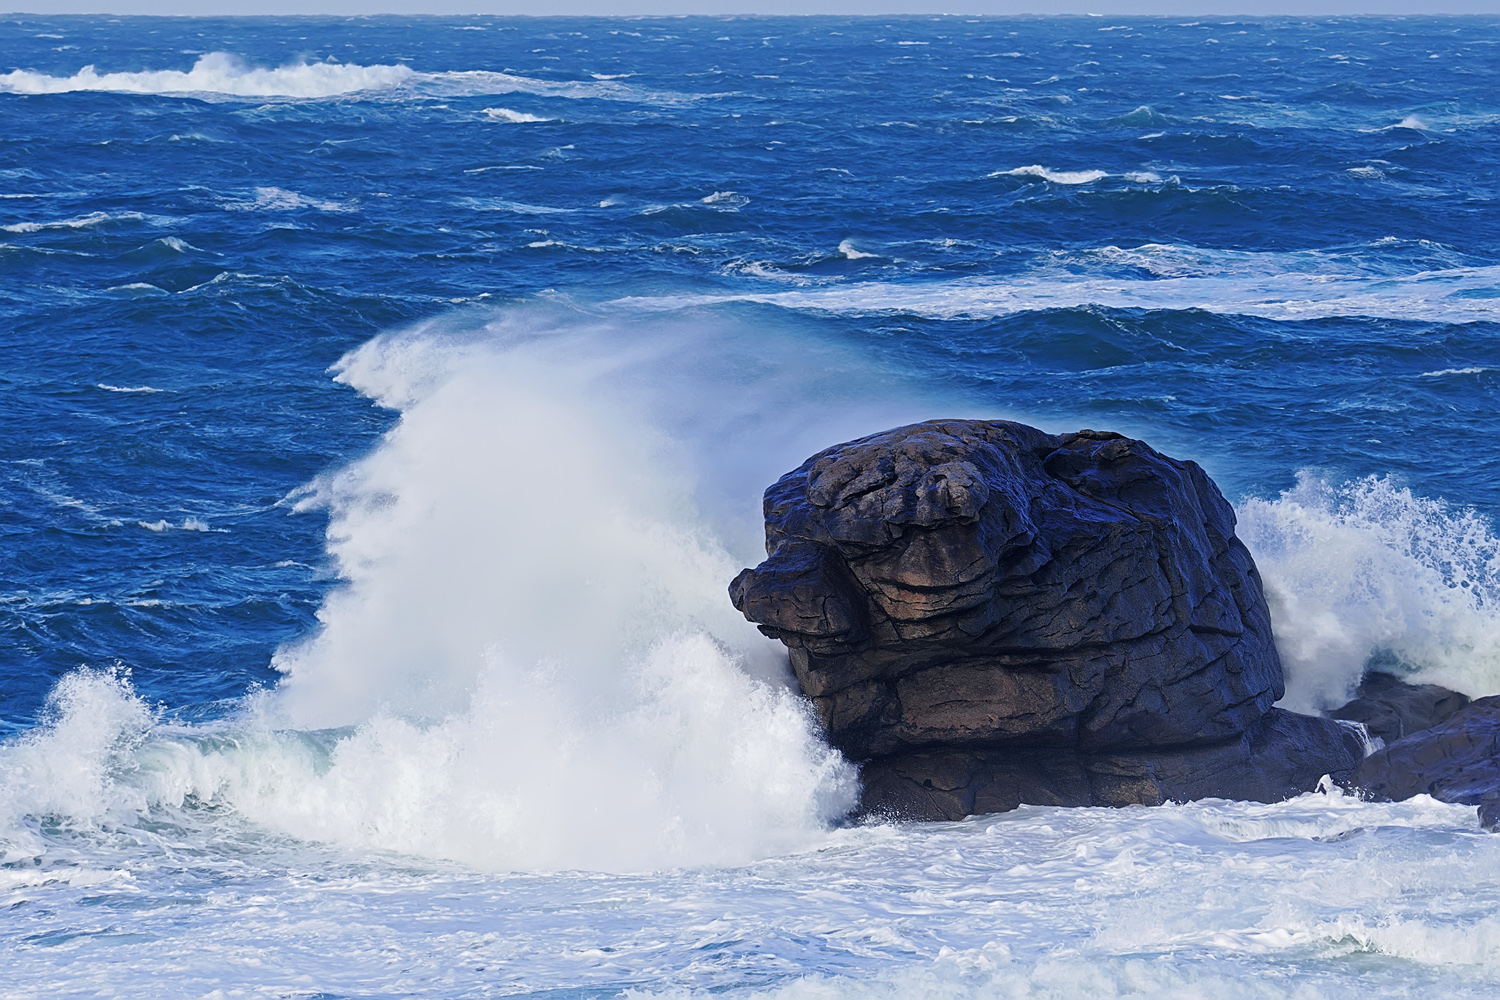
(1272, 246)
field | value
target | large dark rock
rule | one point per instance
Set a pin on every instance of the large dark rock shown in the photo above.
(979, 584)
(1391, 708)
(985, 615)
(1281, 755)
(1455, 761)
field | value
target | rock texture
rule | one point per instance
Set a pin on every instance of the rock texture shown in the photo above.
(1281, 755)
(982, 605)
(982, 582)
(1455, 761)
(1390, 708)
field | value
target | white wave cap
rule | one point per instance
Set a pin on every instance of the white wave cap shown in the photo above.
(847, 248)
(514, 117)
(1368, 569)
(219, 73)
(1069, 177)
(78, 222)
(275, 199)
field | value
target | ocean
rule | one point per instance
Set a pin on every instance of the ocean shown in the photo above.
(386, 407)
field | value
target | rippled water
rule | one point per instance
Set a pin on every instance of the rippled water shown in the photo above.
(387, 404)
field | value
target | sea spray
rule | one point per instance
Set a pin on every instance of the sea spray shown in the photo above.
(532, 629)
(1367, 569)
(64, 769)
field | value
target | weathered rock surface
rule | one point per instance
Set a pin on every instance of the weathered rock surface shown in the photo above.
(1455, 761)
(1391, 708)
(982, 583)
(986, 614)
(1281, 755)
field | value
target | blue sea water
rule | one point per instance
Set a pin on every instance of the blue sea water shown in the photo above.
(386, 404)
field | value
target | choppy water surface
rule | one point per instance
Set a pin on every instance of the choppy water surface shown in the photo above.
(387, 404)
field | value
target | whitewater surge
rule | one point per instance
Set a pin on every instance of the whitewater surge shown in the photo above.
(1367, 571)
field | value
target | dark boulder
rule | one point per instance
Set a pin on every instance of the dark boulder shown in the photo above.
(1457, 760)
(968, 583)
(1281, 755)
(1391, 708)
(985, 614)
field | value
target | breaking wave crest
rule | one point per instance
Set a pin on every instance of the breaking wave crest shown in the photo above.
(1367, 569)
(531, 663)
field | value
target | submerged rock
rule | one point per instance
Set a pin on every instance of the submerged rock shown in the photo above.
(981, 605)
(1457, 760)
(1390, 708)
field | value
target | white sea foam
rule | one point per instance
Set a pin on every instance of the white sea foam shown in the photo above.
(126, 388)
(66, 768)
(727, 201)
(719, 201)
(1324, 895)
(1283, 286)
(506, 205)
(188, 524)
(1367, 568)
(77, 222)
(517, 117)
(1070, 177)
(223, 74)
(1455, 371)
(137, 288)
(275, 199)
(220, 73)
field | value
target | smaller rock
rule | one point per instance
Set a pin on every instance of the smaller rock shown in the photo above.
(1455, 761)
(1282, 755)
(1489, 813)
(1392, 709)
